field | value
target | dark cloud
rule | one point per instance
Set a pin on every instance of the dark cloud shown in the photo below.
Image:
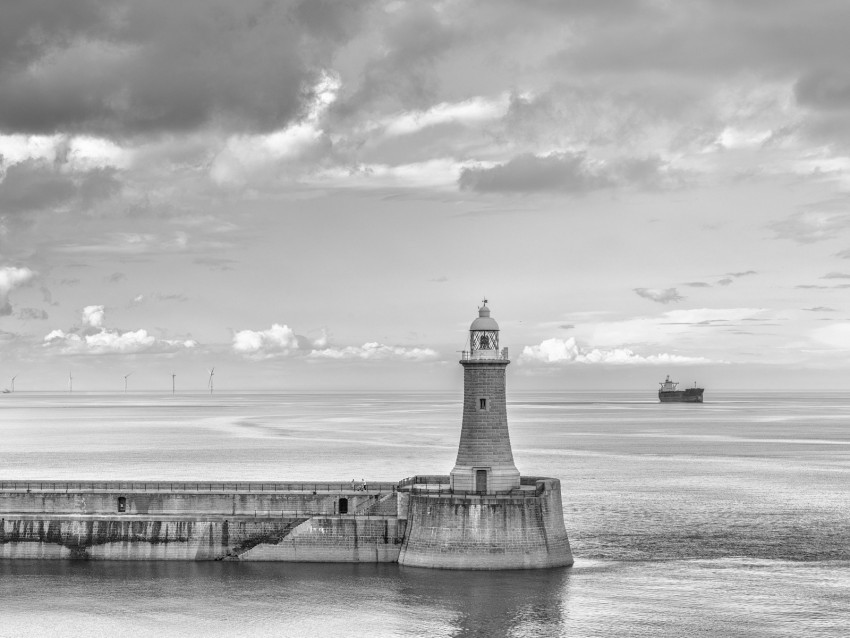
(774, 37)
(836, 275)
(127, 67)
(115, 277)
(565, 172)
(745, 273)
(698, 284)
(724, 282)
(567, 326)
(824, 89)
(820, 309)
(844, 254)
(32, 313)
(401, 71)
(35, 186)
(659, 295)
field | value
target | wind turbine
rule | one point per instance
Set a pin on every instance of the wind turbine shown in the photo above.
(125, 381)
(13, 382)
(172, 382)
(212, 374)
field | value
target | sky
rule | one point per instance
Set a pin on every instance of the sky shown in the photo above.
(317, 195)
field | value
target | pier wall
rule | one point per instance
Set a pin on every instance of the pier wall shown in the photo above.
(417, 522)
(338, 539)
(340, 522)
(519, 530)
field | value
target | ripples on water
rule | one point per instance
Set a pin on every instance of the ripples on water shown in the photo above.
(727, 518)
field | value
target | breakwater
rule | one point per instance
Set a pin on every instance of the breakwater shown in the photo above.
(420, 519)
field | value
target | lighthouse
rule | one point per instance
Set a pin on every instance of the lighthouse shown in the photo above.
(483, 515)
(485, 462)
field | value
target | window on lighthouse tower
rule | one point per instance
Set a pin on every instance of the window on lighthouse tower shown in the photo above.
(484, 343)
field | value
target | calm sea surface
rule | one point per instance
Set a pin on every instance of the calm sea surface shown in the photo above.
(722, 519)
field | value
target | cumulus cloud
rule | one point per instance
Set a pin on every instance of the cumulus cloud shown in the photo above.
(93, 316)
(281, 341)
(94, 338)
(659, 295)
(560, 351)
(11, 277)
(566, 172)
(374, 350)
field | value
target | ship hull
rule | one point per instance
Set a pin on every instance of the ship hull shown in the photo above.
(691, 395)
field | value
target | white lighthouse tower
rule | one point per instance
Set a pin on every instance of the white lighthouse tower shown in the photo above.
(485, 462)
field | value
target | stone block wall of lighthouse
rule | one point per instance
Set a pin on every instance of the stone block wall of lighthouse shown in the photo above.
(485, 444)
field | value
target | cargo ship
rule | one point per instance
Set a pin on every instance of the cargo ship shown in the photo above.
(669, 394)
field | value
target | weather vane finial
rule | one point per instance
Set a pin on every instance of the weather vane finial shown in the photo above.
(484, 301)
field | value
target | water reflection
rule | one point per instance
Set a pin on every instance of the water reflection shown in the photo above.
(513, 603)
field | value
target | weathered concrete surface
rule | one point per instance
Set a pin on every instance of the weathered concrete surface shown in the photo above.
(487, 532)
(194, 503)
(324, 539)
(523, 529)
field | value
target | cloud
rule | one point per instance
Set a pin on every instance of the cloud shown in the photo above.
(806, 227)
(697, 284)
(843, 254)
(165, 68)
(566, 172)
(745, 273)
(176, 296)
(836, 275)
(374, 350)
(94, 339)
(668, 326)
(246, 156)
(820, 309)
(10, 278)
(659, 295)
(562, 351)
(475, 110)
(27, 314)
(36, 185)
(836, 335)
(216, 263)
(277, 341)
(93, 316)
(281, 341)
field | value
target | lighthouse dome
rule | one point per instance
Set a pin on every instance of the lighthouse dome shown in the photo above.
(484, 320)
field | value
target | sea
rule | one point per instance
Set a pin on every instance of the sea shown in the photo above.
(729, 518)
